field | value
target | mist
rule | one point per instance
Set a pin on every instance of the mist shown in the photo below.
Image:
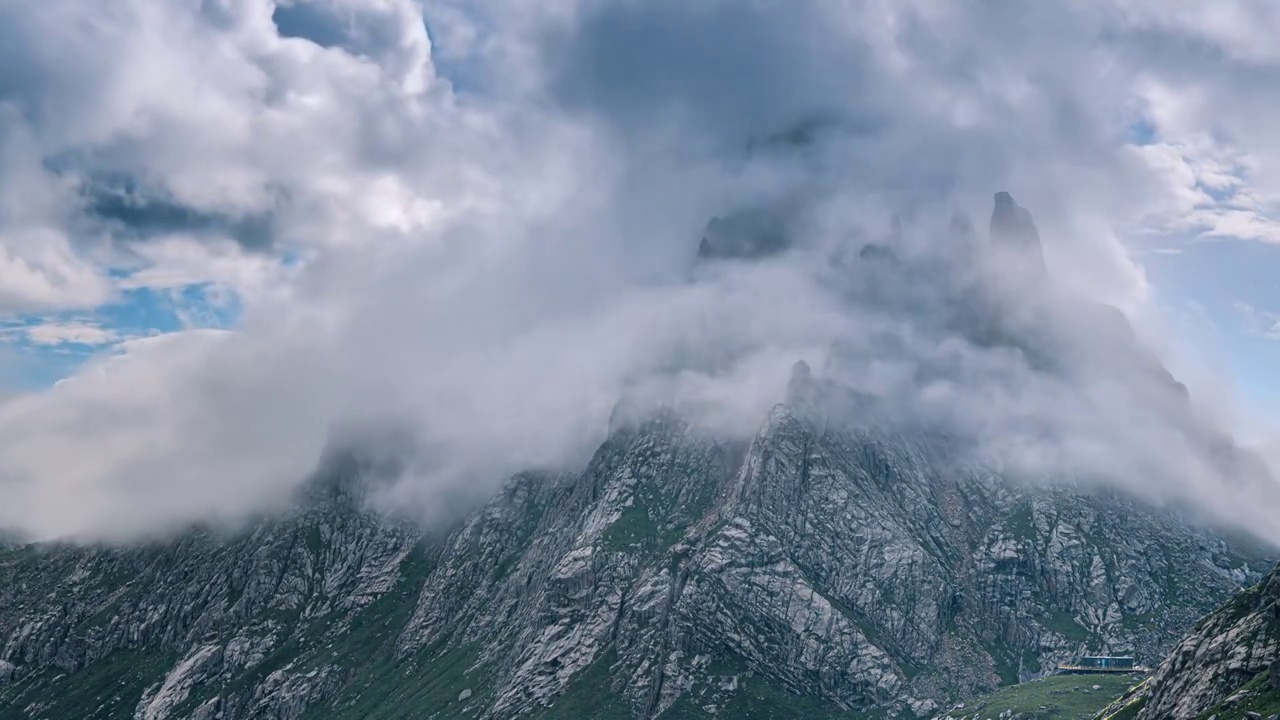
(486, 226)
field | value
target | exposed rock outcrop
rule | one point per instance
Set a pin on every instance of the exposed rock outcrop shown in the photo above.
(1228, 667)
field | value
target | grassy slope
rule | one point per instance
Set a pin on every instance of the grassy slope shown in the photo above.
(107, 690)
(1261, 699)
(1057, 697)
(591, 696)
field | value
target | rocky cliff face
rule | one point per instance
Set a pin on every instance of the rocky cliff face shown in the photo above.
(1227, 667)
(817, 570)
(261, 625)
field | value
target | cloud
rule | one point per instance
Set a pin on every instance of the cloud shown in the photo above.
(177, 434)
(1214, 192)
(39, 272)
(1258, 322)
(490, 240)
(75, 333)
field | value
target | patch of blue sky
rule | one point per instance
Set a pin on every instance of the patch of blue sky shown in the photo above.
(26, 368)
(1141, 132)
(148, 311)
(1206, 283)
(331, 30)
(309, 22)
(28, 364)
(1216, 279)
(1223, 194)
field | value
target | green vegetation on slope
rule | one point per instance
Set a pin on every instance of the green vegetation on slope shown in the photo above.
(589, 695)
(106, 690)
(1063, 623)
(1057, 697)
(759, 700)
(438, 682)
(725, 691)
(1256, 696)
(1127, 706)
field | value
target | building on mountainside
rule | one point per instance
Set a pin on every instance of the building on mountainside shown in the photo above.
(1102, 664)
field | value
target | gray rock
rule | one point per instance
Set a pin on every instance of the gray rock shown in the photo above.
(1206, 673)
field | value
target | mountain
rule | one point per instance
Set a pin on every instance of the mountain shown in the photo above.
(747, 234)
(1014, 232)
(677, 576)
(204, 626)
(837, 564)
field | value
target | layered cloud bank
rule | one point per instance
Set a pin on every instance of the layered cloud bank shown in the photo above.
(481, 222)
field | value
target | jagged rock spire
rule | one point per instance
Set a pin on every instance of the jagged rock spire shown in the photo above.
(1014, 235)
(748, 234)
(801, 380)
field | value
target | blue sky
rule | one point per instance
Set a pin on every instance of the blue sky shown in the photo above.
(37, 359)
(1218, 289)
(1205, 287)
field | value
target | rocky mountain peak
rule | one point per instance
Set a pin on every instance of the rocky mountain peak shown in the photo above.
(1014, 237)
(801, 381)
(745, 234)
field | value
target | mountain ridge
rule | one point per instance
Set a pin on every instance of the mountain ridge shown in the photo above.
(685, 591)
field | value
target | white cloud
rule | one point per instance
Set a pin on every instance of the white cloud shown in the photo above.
(40, 272)
(40, 269)
(1258, 322)
(1211, 192)
(495, 250)
(61, 333)
(172, 429)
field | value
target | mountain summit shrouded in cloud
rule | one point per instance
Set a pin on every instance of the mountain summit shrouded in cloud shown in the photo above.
(476, 222)
(1014, 234)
